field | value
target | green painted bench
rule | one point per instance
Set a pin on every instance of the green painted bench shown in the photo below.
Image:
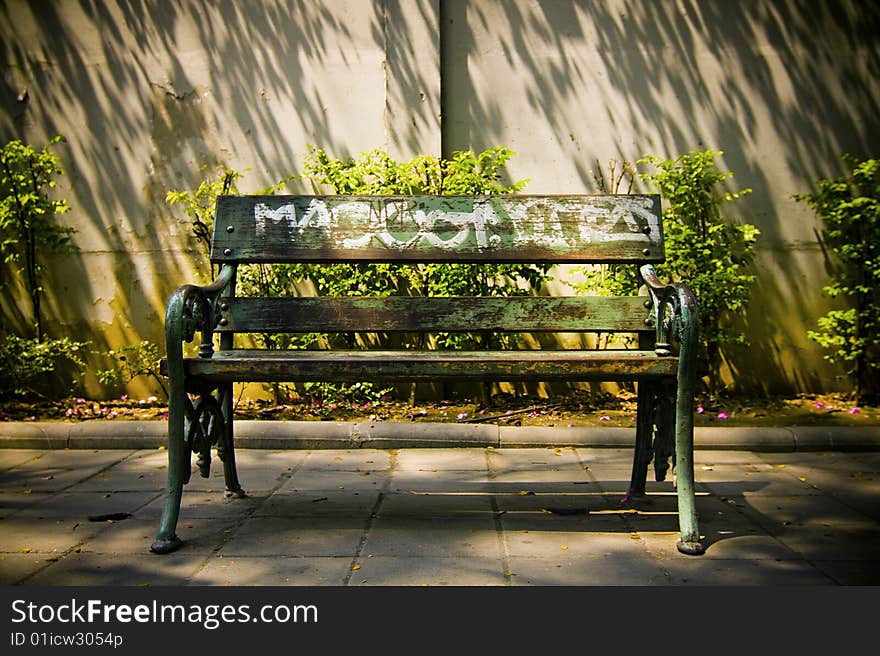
(414, 229)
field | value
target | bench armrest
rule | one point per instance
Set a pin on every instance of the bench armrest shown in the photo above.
(191, 309)
(675, 313)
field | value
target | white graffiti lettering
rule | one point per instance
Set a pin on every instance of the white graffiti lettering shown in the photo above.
(539, 222)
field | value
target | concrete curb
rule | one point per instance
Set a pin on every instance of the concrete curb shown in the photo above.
(399, 435)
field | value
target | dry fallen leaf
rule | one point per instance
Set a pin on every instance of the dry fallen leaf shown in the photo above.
(355, 568)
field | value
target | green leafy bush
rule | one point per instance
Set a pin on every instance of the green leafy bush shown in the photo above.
(849, 208)
(465, 172)
(374, 172)
(28, 215)
(32, 367)
(703, 249)
(132, 361)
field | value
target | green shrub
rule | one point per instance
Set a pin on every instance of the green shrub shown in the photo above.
(703, 249)
(32, 368)
(849, 208)
(375, 172)
(465, 172)
(28, 215)
(132, 361)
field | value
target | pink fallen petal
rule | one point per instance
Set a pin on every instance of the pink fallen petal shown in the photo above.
(700, 410)
(462, 415)
(819, 404)
(854, 411)
(604, 418)
(627, 498)
(723, 415)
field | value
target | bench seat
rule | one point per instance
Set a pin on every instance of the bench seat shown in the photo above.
(257, 365)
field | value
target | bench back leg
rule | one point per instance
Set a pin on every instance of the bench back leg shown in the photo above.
(226, 446)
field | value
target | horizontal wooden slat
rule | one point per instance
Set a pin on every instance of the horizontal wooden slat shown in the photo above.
(435, 314)
(352, 366)
(573, 228)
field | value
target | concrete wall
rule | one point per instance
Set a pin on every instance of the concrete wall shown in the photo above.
(149, 94)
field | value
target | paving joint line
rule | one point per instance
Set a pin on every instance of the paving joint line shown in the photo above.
(374, 511)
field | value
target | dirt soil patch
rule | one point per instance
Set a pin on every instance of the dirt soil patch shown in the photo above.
(576, 409)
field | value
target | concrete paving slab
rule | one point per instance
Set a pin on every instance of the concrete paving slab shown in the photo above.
(135, 535)
(850, 572)
(205, 504)
(142, 470)
(560, 545)
(445, 537)
(14, 457)
(296, 536)
(725, 544)
(533, 458)
(57, 470)
(428, 570)
(94, 569)
(563, 505)
(867, 505)
(431, 460)
(16, 567)
(318, 503)
(768, 484)
(586, 569)
(777, 513)
(524, 527)
(286, 570)
(314, 480)
(833, 543)
(434, 504)
(12, 502)
(737, 572)
(463, 481)
(28, 533)
(347, 460)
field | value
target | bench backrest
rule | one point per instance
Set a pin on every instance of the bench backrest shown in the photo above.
(411, 229)
(613, 228)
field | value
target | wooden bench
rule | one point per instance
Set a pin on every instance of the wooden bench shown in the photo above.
(413, 229)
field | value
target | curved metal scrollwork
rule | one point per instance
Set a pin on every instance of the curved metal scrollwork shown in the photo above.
(194, 313)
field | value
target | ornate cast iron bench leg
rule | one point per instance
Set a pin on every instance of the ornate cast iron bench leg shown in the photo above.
(644, 439)
(684, 425)
(179, 465)
(226, 447)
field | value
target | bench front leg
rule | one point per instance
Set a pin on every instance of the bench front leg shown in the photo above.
(676, 318)
(179, 466)
(191, 309)
(686, 318)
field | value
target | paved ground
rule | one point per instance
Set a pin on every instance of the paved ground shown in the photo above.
(467, 516)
